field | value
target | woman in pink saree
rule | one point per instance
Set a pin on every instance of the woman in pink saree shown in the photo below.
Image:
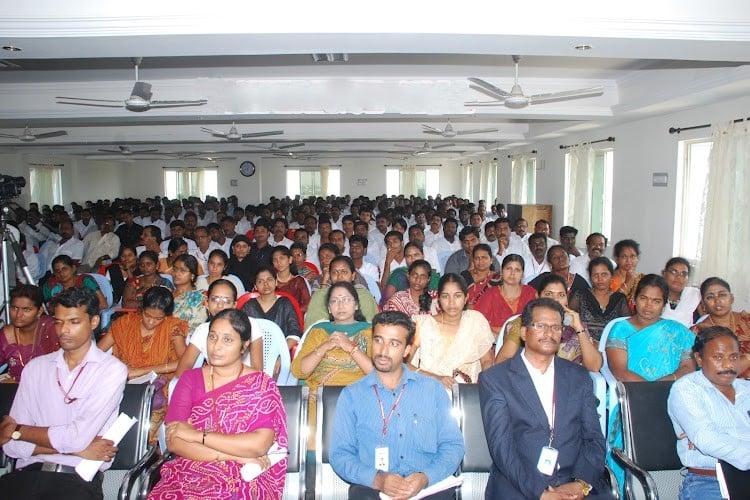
(221, 417)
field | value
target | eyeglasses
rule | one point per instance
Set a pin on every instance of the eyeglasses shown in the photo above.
(544, 327)
(220, 300)
(714, 296)
(674, 272)
(341, 300)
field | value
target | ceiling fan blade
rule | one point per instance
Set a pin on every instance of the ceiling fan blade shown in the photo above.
(567, 94)
(295, 145)
(47, 135)
(94, 105)
(488, 88)
(431, 130)
(10, 136)
(403, 146)
(476, 131)
(177, 104)
(440, 146)
(215, 158)
(480, 104)
(141, 151)
(262, 134)
(86, 99)
(142, 90)
(118, 151)
(214, 132)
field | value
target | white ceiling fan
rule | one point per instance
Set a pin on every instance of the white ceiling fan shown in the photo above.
(449, 132)
(427, 148)
(139, 100)
(234, 136)
(27, 136)
(126, 151)
(282, 150)
(516, 99)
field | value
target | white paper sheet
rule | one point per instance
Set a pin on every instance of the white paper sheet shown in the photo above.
(87, 469)
(275, 455)
(445, 484)
(144, 379)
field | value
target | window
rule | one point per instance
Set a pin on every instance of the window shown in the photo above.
(322, 182)
(523, 180)
(181, 183)
(488, 183)
(588, 196)
(692, 178)
(468, 174)
(412, 181)
(45, 185)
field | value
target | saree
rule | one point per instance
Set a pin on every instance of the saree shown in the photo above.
(653, 352)
(138, 352)
(403, 301)
(441, 354)
(191, 308)
(18, 356)
(252, 402)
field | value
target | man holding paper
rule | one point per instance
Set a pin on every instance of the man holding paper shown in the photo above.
(394, 430)
(65, 402)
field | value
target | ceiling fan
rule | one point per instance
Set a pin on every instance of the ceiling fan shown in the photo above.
(427, 148)
(126, 151)
(449, 132)
(139, 100)
(282, 150)
(197, 155)
(234, 135)
(516, 99)
(27, 136)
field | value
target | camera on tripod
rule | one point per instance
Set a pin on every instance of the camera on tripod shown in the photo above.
(10, 187)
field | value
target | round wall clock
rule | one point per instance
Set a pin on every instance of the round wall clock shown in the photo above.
(247, 168)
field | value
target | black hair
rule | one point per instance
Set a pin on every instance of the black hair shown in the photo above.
(238, 320)
(155, 231)
(556, 247)
(395, 233)
(345, 259)
(550, 278)
(358, 239)
(265, 269)
(395, 318)
(706, 335)
(298, 246)
(77, 296)
(453, 278)
(513, 257)
(158, 297)
(714, 280)
(175, 244)
(653, 280)
(63, 259)
(590, 237)
(537, 236)
(225, 282)
(358, 316)
(264, 222)
(568, 229)
(191, 263)
(623, 244)
(425, 299)
(31, 292)
(679, 260)
(482, 247)
(528, 311)
(414, 244)
(466, 231)
(330, 247)
(149, 254)
(601, 261)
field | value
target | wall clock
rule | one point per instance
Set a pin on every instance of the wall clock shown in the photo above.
(247, 168)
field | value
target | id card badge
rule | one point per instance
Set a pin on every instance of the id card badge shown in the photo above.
(381, 458)
(547, 461)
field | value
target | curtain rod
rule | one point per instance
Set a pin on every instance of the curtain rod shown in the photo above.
(532, 152)
(418, 165)
(677, 130)
(190, 167)
(305, 166)
(608, 139)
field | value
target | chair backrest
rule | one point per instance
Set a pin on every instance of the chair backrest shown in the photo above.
(7, 393)
(304, 335)
(274, 347)
(372, 285)
(334, 487)
(605, 371)
(648, 433)
(136, 402)
(501, 333)
(600, 391)
(295, 405)
(477, 462)
(737, 481)
(238, 284)
(105, 286)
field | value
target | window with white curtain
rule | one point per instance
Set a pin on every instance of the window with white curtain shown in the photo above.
(692, 177)
(412, 181)
(523, 180)
(488, 181)
(184, 182)
(324, 181)
(468, 182)
(588, 190)
(45, 185)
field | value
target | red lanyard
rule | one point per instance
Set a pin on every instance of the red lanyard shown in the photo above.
(393, 408)
(67, 399)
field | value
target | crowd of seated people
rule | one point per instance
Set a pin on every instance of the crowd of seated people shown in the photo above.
(315, 266)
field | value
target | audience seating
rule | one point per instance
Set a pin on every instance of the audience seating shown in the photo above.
(295, 405)
(477, 462)
(737, 481)
(650, 454)
(501, 333)
(275, 348)
(328, 485)
(106, 287)
(600, 391)
(605, 371)
(372, 286)
(7, 393)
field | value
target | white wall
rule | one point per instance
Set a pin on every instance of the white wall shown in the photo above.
(642, 147)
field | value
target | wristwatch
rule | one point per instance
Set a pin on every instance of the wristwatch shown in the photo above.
(586, 487)
(16, 434)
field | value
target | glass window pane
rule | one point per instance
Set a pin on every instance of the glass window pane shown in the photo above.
(392, 181)
(292, 182)
(432, 182)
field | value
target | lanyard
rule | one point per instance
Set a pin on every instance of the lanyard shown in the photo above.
(552, 425)
(393, 408)
(66, 394)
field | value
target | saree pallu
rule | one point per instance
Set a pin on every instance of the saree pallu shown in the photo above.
(245, 405)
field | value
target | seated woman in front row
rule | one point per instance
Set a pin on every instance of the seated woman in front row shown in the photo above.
(221, 417)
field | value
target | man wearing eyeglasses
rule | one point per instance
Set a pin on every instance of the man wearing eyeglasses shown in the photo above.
(710, 412)
(540, 419)
(64, 403)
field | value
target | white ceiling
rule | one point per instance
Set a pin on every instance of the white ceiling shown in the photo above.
(407, 65)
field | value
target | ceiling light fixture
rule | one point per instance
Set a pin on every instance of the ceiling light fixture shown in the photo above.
(330, 57)
(583, 46)
(12, 48)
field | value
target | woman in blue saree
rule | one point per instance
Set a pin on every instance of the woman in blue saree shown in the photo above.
(646, 348)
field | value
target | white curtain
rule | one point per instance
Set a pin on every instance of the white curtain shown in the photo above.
(580, 181)
(324, 180)
(45, 185)
(468, 178)
(518, 179)
(488, 181)
(726, 211)
(408, 180)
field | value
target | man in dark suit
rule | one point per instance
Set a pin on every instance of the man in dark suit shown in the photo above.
(540, 418)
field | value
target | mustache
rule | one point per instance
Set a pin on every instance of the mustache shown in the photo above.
(727, 372)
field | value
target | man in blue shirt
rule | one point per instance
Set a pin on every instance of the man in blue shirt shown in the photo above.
(394, 429)
(710, 411)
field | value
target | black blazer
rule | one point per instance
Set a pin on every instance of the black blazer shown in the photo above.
(517, 428)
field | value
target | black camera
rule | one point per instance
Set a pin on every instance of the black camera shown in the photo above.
(10, 187)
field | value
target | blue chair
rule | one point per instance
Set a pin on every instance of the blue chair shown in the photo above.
(372, 285)
(106, 287)
(609, 378)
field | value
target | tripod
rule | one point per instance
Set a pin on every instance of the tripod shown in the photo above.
(8, 248)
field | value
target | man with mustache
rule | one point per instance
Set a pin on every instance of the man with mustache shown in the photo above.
(710, 411)
(394, 430)
(540, 419)
(596, 244)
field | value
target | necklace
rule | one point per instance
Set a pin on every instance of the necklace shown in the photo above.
(33, 345)
(732, 325)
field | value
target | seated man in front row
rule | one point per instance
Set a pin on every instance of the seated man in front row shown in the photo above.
(65, 400)
(710, 411)
(540, 419)
(394, 430)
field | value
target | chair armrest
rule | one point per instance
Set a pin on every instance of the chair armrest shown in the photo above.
(150, 476)
(128, 480)
(611, 481)
(647, 482)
